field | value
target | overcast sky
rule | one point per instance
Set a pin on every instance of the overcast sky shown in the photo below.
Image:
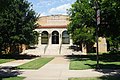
(51, 7)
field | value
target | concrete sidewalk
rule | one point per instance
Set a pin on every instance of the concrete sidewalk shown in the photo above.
(58, 69)
(51, 71)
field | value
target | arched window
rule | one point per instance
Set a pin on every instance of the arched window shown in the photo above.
(44, 37)
(65, 38)
(55, 37)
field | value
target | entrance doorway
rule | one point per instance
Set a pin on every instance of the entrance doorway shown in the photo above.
(55, 37)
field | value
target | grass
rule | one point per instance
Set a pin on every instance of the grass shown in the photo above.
(84, 79)
(85, 62)
(80, 65)
(10, 57)
(89, 64)
(35, 64)
(5, 60)
(97, 78)
(13, 78)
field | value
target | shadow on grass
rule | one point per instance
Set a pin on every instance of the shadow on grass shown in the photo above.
(102, 57)
(109, 63)
(81, 57)
(98, 78)
(105, 66)
(8, 71)
(110, 57)
(109, 77)
(17, 56)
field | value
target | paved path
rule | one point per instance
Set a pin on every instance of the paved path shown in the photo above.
(54, 70)
(58, 69)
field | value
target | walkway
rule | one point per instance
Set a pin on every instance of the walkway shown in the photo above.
(54, 70)
(58, 69)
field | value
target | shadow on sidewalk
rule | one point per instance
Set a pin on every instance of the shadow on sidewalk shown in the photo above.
(112, 74)
(8, 71)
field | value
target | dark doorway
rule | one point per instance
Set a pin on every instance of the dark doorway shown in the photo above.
(55, 37)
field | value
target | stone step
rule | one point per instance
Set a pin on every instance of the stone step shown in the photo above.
(52, 50)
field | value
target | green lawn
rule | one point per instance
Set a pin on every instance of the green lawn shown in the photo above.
(97, 78)
(77, 63)
(35, 64)
(13, 78)
(5, 60)
(84, 79)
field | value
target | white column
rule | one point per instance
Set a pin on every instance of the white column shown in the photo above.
(60, 38)
(50, 39)
(71, 41)
(84, 49)
(39, 42)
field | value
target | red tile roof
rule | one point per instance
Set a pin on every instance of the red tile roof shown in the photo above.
(57, 26)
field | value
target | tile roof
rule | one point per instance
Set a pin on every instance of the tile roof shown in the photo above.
(53, 26)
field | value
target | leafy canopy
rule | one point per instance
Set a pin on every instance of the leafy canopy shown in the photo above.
(82, 18)
(82, 21)
(17, 23)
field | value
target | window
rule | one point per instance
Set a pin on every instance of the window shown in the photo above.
(44, 37)
(65, 38)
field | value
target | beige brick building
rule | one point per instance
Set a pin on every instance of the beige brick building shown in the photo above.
(53, 34)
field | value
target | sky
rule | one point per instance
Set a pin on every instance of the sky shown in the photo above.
(51, 7)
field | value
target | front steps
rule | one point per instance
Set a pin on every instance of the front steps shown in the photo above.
(54, 49)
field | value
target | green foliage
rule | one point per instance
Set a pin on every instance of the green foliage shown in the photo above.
(81, 27)
(17, 23)
(82, 21)
(110, 21)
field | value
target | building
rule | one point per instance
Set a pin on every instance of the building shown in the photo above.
(54, 37)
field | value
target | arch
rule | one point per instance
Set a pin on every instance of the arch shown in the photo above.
(65, 37)
(44, 37)
(55, 37)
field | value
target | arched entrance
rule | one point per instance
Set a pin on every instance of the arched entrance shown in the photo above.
(55, 37)
(44, 37)
(65, 38)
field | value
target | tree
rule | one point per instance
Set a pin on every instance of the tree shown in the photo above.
(82, 22)
(110, 26)
(17, 24)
